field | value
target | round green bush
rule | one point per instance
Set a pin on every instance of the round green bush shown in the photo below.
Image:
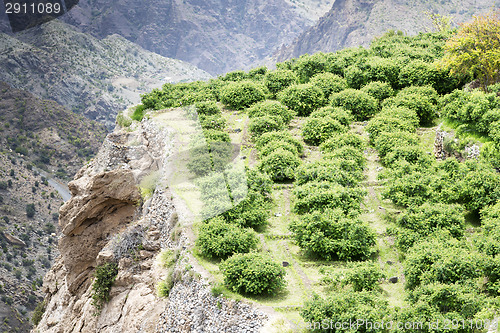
(378, 90)
(355, 77)
(318, 130)
(280, 79)
(240, 95)
(281, 136)
(330, 235)
(274, 145)
(329, 83)
(326, 170)
(381, 124)
(422, 100)
(302, 98)
(280, 165)
(251, 212)
(362, 105)
(213, 135)
(219, 239)
(340, 140)
(271, 108)
(208, 108)
(261, 125)
(318, 196)
(348, 153)
(387, 141)
(215, 122)
(343, 116)
(253, 273)
(407, 115)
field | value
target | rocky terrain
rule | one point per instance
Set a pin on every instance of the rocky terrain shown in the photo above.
(356, 22)
(109, 220)
(92, 77)
(42, 145)
(216, 36)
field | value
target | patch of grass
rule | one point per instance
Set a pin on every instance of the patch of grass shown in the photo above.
(166, 285)
(148, 184)
(168, 257)
(138, 113)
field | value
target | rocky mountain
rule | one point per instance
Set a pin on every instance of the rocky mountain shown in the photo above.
(356, 22)
(43, 144)
(112, 231)
(215, 35)
(93, 77)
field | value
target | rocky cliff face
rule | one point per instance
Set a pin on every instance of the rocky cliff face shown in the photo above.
(106, 221)
(356, 22)
(216, 36)
(90, 76)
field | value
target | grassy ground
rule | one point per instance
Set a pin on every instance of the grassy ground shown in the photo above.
(303, 272)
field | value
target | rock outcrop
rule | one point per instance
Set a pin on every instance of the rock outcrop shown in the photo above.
(108, 221)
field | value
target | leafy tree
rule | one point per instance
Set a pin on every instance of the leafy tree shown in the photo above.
(318, 130)
(253, 273)
(261, 125)
(326, 170)
(271, 108)
(329, 83)
(475, 50)
(345, 307)
(280, 79)
(274, 145)
(379, 90)
(280, 165)
(282, 136)
(340, 140)
(240, 95)
(388, 141)
(340, 114)
(362, 105)
(330, 235)
(364, 276)
(302, 98)
(220, 239)
(30, 210)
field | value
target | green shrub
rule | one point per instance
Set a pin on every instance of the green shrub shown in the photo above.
(341, 115)
(386, 124)
(427, 218)
(207, 108)
(240, 95)
(363, 276)
(345, 307)
(340, 140)
(378, 90)
(280, 165)
(422, 100)
(386, 142)
(219, 239)
(168, 258)
(280, 79)
(411, 154)
(215, 122)
(138, 112)
(271, 108)
(442, 260)
(326, 170)
(252, 212)
(282, 136)
(253, 273)
(362, 105)
(348, 153)
(261, 125)
(330, 235)
(303, 98)
(213, 135)
(274, 145)
(30, 210)
(329, 83)
(317, 130)
(355, 77)
(164, 287)
(105, 275)
(318, 196)
(306, 66)
(38, 313)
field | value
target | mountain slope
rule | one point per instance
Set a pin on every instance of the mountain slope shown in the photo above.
(96, 78)
(217, 36)
(35, 135)
(356, 22)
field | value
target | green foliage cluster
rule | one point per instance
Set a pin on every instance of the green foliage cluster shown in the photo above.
(105, 275)
(302, 99)
(279, 152)
(220, 239)
(240, 95)
(264, 124)
(271, 108)
(329, 83)
(361, 104)
(279, 80)
(253, 273)
(324, 123)
(176, 95)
